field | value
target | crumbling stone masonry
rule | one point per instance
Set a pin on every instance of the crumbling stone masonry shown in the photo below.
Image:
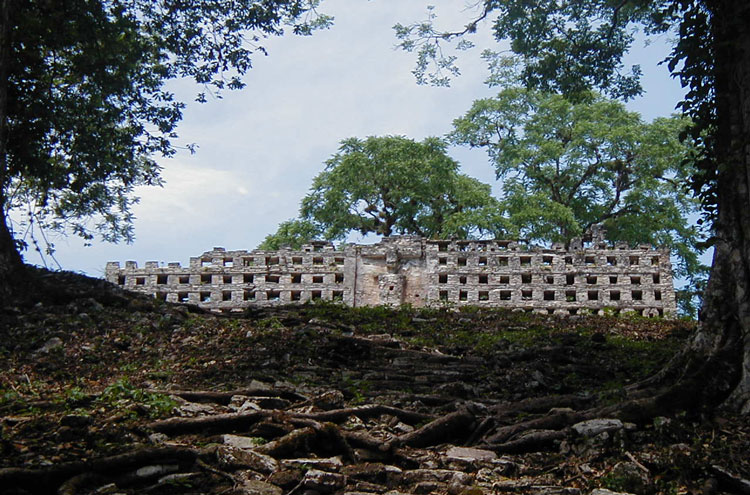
(587, 278)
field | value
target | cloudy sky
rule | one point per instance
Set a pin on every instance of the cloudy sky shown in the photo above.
(258, 149)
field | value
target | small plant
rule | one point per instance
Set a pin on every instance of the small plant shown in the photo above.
(123, 395)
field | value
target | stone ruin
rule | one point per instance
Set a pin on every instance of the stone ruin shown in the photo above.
(588, 277)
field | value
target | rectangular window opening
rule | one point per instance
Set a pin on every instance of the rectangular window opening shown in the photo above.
(634, 260)
(549, 295)
(505, 295)
(570, 279)
(317, 260)
(339, 261)
(295, 295)
(443, 295)
(296, 260)
(121, 280)
(635, 280)
(568, 260)
(611, 260)
(570, 295)
(462, 280)
(657, 278)
(614, 295)
(590, 260)
(248, 278)
(273, 295)
(482, 261)
(484, 295)
(272, 279)
(317, 279)
(461, 261)
(613, 280)
(161, 279)
(593, 295)
(183, 297)
(527, 295)
(657, 295)
(228, 262)
(227, 279)
(248, 261)
(525, 278)
(463, 295)
(184, 279)
(338, 295)
(205, 262)
(226, 295)
(505, 279)
(443, 246)
(272, 260)
(140, 280)
(547, 260)
(339, 278)
(637, 295)
(443, 261)
(502, 260)
(550, 279)
(205, 296)
(655, 260)
(483, 279)
(590, 279)
(206, 278)
(248, 295)
(442, 279)
(316, 294)
(525, 260)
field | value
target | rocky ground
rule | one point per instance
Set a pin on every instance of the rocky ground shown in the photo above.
(103, 392)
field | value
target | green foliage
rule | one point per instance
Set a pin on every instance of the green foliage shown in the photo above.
(291, 233)
(567, 166)
(393, 185)
(87, 109)
(123, 395)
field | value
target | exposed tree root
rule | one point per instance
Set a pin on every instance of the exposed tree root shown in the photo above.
(218, 423)
(532, 441)
(456, 424)
(224, 398)
(367, 412)
(730, 482)
(296, 441)
(45, 479)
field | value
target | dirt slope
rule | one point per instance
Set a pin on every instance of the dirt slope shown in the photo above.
(107, 392)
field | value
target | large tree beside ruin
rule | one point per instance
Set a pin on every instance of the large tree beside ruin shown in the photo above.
(388, 185)
(83, 107)
(569, 165)
(571, 47)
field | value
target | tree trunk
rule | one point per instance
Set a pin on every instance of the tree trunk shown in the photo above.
(721, 346)
(10, 260)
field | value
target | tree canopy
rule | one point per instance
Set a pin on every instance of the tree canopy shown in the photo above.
(292, 233)
(567, 166)
(394, 185)
(83, 107)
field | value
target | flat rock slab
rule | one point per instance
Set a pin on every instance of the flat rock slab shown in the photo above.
(469, 454)
(594, 427)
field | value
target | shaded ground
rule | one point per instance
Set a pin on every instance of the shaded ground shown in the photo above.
(106, 392)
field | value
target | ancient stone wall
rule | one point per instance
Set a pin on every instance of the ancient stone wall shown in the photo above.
(589, 277)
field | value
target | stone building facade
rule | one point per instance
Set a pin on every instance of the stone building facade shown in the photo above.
(589, 277)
